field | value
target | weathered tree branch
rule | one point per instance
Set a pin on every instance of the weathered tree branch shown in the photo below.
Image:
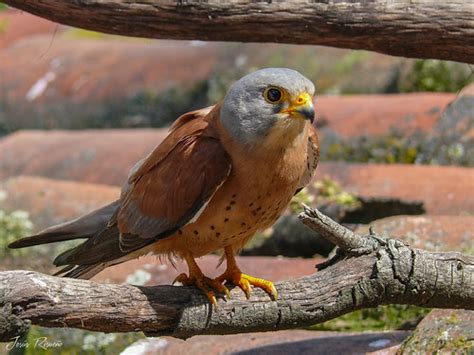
(423, 29)
(369, 271)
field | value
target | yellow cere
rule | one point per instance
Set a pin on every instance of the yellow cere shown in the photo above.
(302, 99)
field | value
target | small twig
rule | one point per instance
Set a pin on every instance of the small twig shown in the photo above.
(349, 243)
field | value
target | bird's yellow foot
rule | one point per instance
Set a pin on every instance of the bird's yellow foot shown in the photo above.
(205, 284)
(235, 276)
(197, 278)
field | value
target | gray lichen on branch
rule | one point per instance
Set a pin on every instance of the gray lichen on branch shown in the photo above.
(368, 271)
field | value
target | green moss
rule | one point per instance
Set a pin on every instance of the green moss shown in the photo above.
(453, 319)
(3, 25)
(463, 345)
(436, 75)
(444, 146)
(80, 33)
(329, 191)
(443, 334)
(302, 197)
(390, 148)
(380, 318)
(3, 7)
(469, 251)
(83, 34)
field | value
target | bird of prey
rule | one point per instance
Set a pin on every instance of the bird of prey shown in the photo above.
(221, 174)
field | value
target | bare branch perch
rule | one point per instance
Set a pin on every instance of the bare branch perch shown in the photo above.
(423, 29)
(368, 271)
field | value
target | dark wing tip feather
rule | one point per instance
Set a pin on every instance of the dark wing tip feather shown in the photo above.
(18, 244)
(80, 271)
(42, 238)
(101, 248)
(63, 258)
(24, 242)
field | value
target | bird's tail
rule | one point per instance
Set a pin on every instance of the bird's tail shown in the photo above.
(81, 228)
(86, 227)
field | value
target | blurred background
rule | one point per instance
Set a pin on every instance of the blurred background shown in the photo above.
(79, 108)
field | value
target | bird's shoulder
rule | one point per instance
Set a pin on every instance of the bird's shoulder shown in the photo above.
(201, 115)
(194, 125)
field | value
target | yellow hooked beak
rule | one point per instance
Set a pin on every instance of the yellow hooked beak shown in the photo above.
(301, 107)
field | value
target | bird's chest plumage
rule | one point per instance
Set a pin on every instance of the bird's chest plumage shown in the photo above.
(255, 194)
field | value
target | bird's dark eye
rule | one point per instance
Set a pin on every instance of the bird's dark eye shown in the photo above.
(272, 95)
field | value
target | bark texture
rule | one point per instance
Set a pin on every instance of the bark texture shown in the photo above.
(423, 29)
(366, 272)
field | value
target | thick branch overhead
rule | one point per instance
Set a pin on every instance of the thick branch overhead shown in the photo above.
(368, 271)
(423, 29)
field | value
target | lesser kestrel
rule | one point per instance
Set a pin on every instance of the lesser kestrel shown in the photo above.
(221, 174)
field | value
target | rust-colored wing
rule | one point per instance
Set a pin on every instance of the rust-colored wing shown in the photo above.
(173, 184)
(193, 115)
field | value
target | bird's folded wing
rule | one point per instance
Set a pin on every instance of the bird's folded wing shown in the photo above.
(172, 186)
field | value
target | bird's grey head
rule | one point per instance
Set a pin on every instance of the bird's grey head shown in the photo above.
(272, 99)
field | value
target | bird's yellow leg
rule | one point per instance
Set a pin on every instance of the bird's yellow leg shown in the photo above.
(197, 278)
(235, 276)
